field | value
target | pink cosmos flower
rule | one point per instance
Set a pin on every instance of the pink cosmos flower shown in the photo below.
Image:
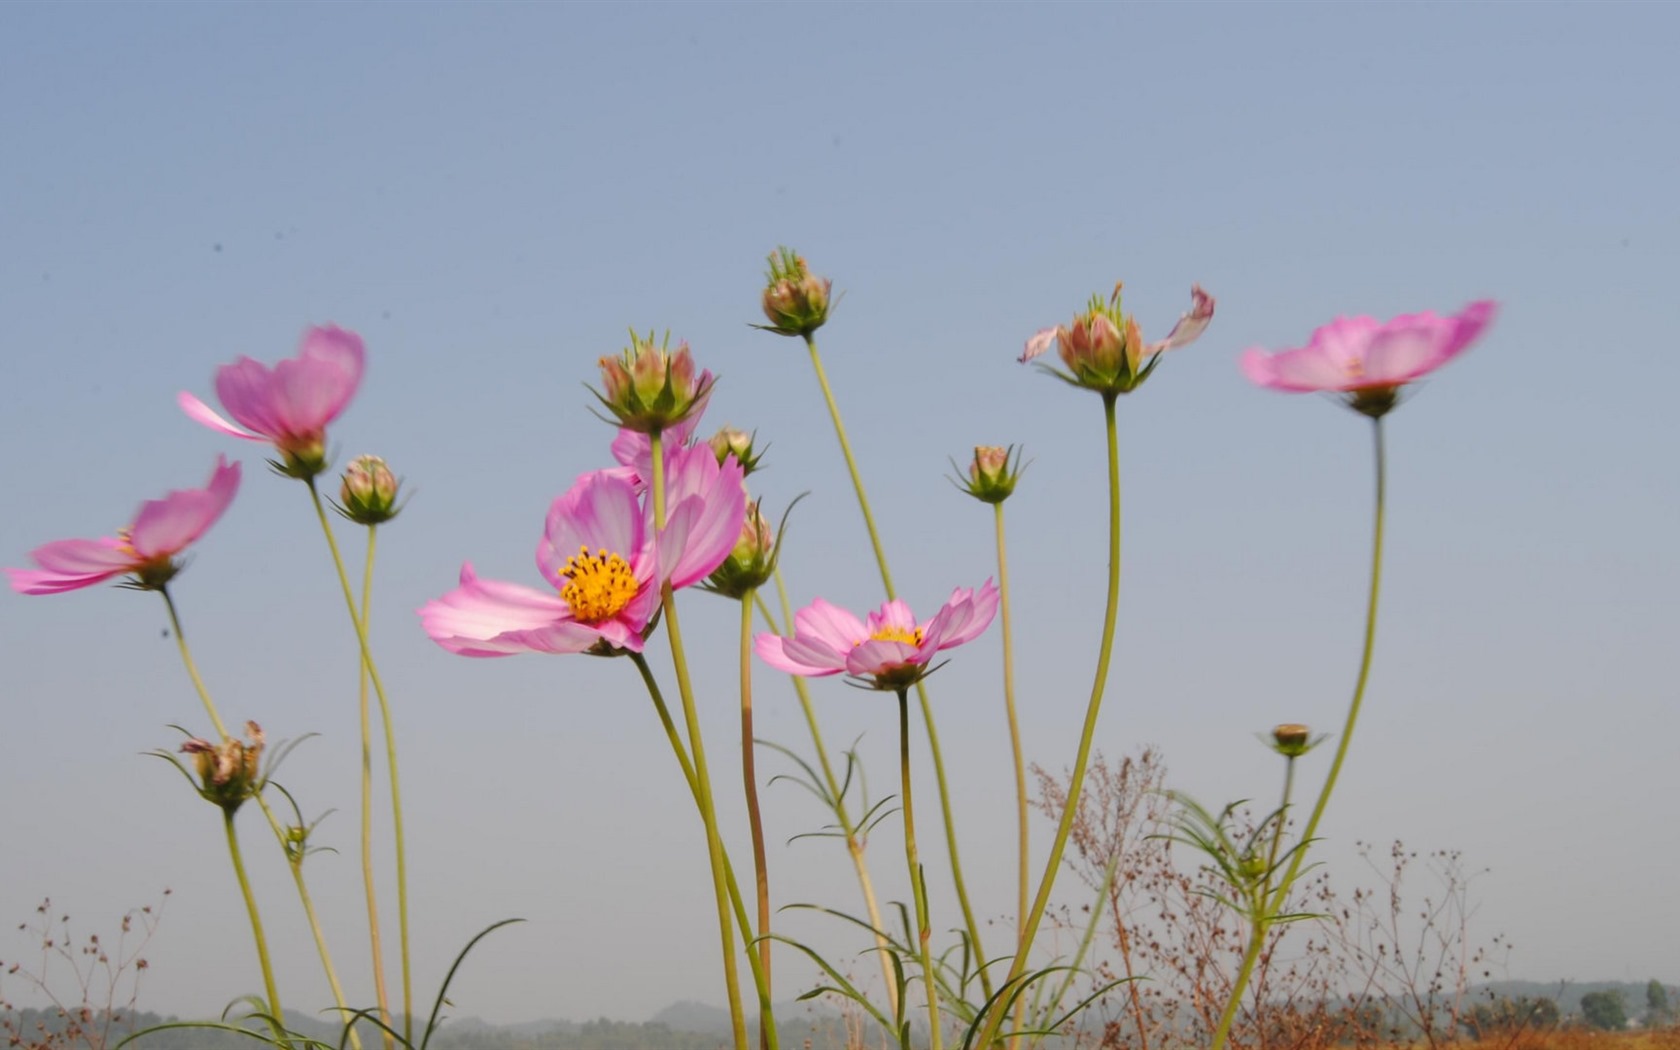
(890, 649)
(162, 529)
(1369, 361)
(606, 566)
(290, 405)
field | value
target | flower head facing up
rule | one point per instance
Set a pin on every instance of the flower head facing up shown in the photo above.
(796, 301)
(1104, 349)
(1366, 361)
(229, 772)
(290, 405)
(889, 650)
(146, 550)
(650, 388)
(368, 493)
(992, 473)
(604, 562)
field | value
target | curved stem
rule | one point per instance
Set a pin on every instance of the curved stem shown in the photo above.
(1021, 873)
(972, 928)
(749, 778)
(375, 940)
(702, 779)
(192, 668)
(856, 843)
(372, 670)
(278, 1020)
(1076, 782)
(741, 919)
(274, 824)
(1279, 893)
(918, 885)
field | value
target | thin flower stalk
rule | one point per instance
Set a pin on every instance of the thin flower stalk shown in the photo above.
(274, 824)
(275, 1013)
(375, 939)
(1278, 893)
(702, 779)
(855, 843)
(749, 777)
(372, 671)
(1076, 782)
(761, 976)
(971, 927)
(918, 885)
(1022, 876)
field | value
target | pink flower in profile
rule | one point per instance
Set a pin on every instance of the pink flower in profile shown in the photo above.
(889, 649)
(606, 565)
(1368, 361)
(290, 405)
(146, 550)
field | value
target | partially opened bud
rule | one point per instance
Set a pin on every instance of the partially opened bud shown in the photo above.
(795, 300)
(752, 561)
(992, 473)
(650, 388)
(368, 493)
(229, 772)
(729, 441)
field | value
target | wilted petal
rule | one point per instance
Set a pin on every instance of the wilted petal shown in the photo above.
(1190, 325)
(1039, 343)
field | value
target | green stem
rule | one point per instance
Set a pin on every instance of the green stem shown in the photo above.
(1076, 782)
(375, 940)
(277, 1021)
(372, 670)
(855, 842)
(1021, 872)
(749, 778)
(760, 977)
(918, 885)
(274, 824)
(702, 779)
(1280, 893)
(972, 927)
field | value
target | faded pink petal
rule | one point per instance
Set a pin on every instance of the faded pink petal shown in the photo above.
(1039, 343)
(1351, 354)
(1190, 325)
(162, 528)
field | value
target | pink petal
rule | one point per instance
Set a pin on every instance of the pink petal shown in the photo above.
(45, 581)
(963, 617)
(894, 615)
(825, 622)
(487, 617)
(105, 555)
(166, 526)
(706, 517)
(1190, 325)
(246, 390)
(785, 655)
(200, 412)
(1039, 343)
(599, 512)
(879, 656)
(311, 390)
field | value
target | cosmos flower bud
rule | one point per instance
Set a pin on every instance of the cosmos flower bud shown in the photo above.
(752, 561)
(229, 772)
(729, 441)
(1292, 740)
(795, 300)
(992, 473)
(1104, 349)
(368, 493)
(649, 388)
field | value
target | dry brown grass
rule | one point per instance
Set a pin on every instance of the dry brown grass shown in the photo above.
(1581, 1039)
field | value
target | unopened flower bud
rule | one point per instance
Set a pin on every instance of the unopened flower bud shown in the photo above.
(1292, 740)
(368, 494)
(752, 561)
(795, 300)
(738, 443)
(650, 388)
(1104, 349)
(992, 473)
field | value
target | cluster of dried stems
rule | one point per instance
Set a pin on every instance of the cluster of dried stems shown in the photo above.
(90, 986)
(1369, 970)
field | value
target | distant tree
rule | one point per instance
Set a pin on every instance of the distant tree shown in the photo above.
(1505, 1015)
(1657, 1011)
(1604, 1010)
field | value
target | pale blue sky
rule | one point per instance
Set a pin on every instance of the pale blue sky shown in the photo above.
(492, 194)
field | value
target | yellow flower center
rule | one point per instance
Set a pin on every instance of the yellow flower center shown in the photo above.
(912, 636)
(598, 586)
